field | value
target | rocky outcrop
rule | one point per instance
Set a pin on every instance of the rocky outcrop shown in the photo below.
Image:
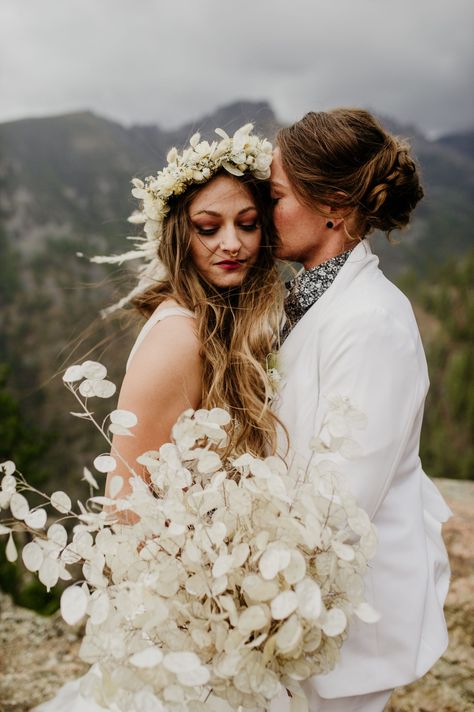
(449, 685)
(39, 654)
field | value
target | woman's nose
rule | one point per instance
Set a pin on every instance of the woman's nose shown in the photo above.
(230, 241)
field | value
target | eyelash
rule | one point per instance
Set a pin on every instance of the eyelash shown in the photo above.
(211, 231)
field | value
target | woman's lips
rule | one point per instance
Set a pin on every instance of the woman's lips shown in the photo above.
(229, 264)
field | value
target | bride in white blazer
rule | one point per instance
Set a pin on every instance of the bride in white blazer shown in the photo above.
(336, 176)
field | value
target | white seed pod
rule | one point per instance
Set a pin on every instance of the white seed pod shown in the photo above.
(219, 585)
(194, 678)
(61, 502)
(73, 374)
(36, 519)
(10, 549)
(308, 594)
(222, 565)
(48, 572)
(86, 389)
(8, 467)
(116, 484)
(260, 469)
(289, 636)
(253, 618)
(8, 483)
(197, 585)
(366, 613)
(94, 370)
(240, 554)
(19, 506)
(273, 560)
(99, 607)
(102, 389)
(258, 589)
(335, 622)
(32, 556)
(217, 533)
(148, 658)
(209, 462)
(343, 551)
(58, 535)
(117, 429)
(73, 604)
(284, 605)
(219, 416)
(105, 463)
(296, 569)
(182, 662)
(89, 478)
(123, 417)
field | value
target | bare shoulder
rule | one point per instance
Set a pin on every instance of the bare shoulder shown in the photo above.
(171, 342)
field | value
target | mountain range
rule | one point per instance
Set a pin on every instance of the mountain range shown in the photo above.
(69, 176)
(65, 189)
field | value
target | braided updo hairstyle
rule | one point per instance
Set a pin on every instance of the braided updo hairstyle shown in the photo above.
(345, 159)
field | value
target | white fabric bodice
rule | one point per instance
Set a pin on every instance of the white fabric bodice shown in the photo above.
(158, 315)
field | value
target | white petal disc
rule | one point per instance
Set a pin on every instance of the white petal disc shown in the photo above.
(308, 594)
(194, 678)
(8, 467)
(335, 622)
(123, 417)
(10, 550)
(366, 613)
(73, 604)
(181, 662)
(103, 389)
(72, 374)
(150, 657)
(36, 519)
(105, 463)
(49, 572)
(94, 370)
(19, 506)
(116, 485)
(61, 502)
(284, 604)
(32, 556)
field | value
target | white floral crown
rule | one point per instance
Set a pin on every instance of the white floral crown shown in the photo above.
(238, 154)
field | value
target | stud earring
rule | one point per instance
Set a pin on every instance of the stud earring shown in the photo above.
(330, 224)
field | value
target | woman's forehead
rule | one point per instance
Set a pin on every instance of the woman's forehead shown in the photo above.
(222, 194)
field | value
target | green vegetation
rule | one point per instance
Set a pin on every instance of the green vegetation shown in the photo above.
(28, 446)
(444, 306)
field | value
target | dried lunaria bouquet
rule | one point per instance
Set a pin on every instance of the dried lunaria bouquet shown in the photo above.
(239, 577)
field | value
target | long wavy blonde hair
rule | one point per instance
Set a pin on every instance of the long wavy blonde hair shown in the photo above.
(237, 328)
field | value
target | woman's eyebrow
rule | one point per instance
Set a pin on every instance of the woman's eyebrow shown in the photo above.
(219, 215)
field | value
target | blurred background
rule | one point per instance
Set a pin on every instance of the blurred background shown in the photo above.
(94, 92)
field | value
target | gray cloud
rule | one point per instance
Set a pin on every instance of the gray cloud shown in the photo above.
(153, 61)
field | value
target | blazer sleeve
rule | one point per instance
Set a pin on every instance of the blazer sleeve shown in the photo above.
(373, 359)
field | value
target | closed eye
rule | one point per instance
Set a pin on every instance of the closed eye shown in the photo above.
(206, 230)
(250, 227)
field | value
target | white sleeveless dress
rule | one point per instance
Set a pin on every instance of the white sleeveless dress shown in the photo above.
(69, 697)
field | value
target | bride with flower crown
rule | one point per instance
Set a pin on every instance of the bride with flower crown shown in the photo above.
(211, 294)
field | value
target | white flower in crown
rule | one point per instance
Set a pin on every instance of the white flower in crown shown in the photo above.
(243, 152)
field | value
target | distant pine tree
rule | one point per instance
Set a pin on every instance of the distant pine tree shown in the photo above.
(444, 305)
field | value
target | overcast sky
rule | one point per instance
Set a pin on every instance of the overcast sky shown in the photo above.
(171, 61)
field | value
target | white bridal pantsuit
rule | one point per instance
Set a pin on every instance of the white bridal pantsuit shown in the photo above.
(361, 340)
